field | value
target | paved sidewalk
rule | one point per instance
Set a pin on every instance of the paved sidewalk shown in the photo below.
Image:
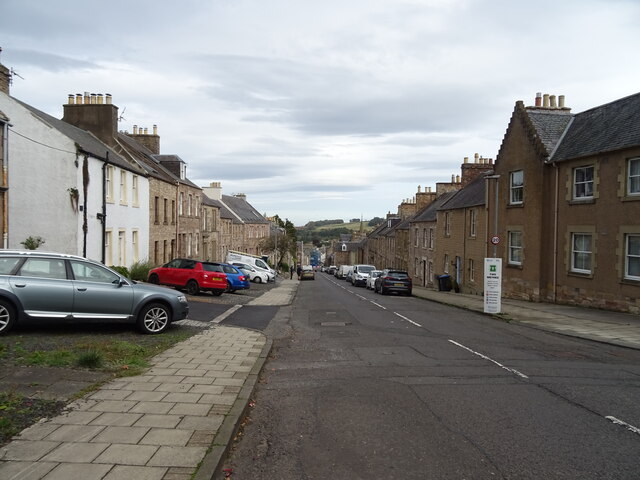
(600, 325)
(282, 295)
(155, 426)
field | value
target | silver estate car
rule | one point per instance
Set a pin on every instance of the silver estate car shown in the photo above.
(36, 285)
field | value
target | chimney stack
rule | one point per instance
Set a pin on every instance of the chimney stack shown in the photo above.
(91, 114)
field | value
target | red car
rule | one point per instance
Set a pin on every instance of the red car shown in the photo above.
(191, 275)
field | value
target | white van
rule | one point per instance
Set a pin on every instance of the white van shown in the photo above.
(342, 271)
(253, 260)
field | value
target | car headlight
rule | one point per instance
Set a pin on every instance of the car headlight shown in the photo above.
(182, 299)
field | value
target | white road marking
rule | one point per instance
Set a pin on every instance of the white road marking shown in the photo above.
(378, 305)
(512, 370)
(623, 424)
(224, 315)
(361, 297)
(407, 319)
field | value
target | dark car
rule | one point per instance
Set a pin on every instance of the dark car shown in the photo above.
(236, 278)
(57, 287)
(391, 280)
(191, 275)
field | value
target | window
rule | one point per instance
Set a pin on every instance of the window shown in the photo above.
(431, 237)
(109, 182)
(416, 236)
(122, 248)
(92, 273)
(181, 204)
(632, 257)
(515, 248)
(633, 182)
(472, 270)
(583, 182)
(134, 244)
(189, 205)
(134, 190)
(581, 252)
(44, 268)
(430, 271)
(472, 222)
(425, 238)
(165, 204)
(173, 212)
(156, 202)
(108, 241)
(516, 187)
(447, 224)
(123, 187)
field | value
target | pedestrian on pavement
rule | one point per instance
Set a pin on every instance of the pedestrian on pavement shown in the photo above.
(291, 270)
(299, 271)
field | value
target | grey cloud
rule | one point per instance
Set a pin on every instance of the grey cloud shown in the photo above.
(47, 61)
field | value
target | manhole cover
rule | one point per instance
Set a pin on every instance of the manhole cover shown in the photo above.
(334, 324)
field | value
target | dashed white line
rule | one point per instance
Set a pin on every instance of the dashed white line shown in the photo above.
(378, 305)
(407, 319)
(512, 370)
(623, 424)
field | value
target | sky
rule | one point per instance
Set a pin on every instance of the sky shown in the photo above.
(322, 110)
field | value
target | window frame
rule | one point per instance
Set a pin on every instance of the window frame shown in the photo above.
(627, 255)
(514, 250)
(580, 196)
(633, 179)
(574, 253)
(473, 218)
(515, 187)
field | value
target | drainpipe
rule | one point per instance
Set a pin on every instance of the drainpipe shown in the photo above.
(495, 212)
(555, 233)
(5, 187)
(103, 216)
(176, 254)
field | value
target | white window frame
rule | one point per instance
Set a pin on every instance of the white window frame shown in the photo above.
(631, 256)
(515, 248)
(578, 252)
(135, 195)
(472, 270)
(583, 189)
(447, 224)
(473, 215)
(633, 176)
(425, 238)
(432, 234)
(134, 245)
(109, 181)
(122, 248)
(181, 203)
(516, 187)
(123, 187)
(108, 242)
(417, 237)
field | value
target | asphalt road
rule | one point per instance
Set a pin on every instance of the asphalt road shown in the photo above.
(364, 386)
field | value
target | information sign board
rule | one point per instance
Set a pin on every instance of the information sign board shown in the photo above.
(492, 285)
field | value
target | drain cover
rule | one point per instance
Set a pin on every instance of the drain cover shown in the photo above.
(334, 324)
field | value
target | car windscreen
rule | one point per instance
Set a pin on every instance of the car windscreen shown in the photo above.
(366, 269)
(396, 274)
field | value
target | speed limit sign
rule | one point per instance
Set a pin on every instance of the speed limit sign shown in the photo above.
(495, 240)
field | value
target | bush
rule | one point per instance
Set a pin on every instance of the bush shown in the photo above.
(90, 359)
(140, 270)
(32, 243)
(124, 271)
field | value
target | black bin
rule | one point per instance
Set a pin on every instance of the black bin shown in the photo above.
(444, 283)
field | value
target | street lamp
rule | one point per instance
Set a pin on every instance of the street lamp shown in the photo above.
(495, 213)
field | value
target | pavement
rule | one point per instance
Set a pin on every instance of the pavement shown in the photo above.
(178, 420)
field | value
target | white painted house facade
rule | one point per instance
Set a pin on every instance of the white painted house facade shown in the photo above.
(72, 190)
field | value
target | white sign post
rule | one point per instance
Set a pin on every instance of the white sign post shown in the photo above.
(492, 285)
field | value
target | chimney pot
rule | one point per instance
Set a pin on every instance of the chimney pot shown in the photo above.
(419, 188)
(552, 101)
(145, 130)
(545, 100)
(155, 130)
(100, 99)
(538, 99)
(560, 101)
(93, 99)
(87, 98)
(475, 158)
(71, 99)
(135, 129)
(107, 97)
(453, 178)
(78, 99)
(457, 178)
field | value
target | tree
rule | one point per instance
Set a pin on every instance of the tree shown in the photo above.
(375, 221)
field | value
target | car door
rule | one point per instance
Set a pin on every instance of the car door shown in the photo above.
(186, 272)
(169, 272)
(98, 293)
(43, 288)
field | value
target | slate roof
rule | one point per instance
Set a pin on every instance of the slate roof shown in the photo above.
(243, 209)
(224, 211)
(144, 157)
(3, 117)
(87, 142)
(173, 158)
(609, 127)
(430, 212)
(549, 126)
(471, 195)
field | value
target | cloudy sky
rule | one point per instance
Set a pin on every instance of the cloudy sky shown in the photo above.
(322, 109)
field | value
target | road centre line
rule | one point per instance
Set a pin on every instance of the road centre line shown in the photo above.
(512, 370)
(407, 319)
(378, 305)
(623, 424)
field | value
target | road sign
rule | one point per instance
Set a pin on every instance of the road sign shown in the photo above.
(492, 285)
(495, 240)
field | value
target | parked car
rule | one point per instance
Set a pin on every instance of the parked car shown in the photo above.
(331, 270)
(192, 275)
(254, 260)
(391, 280)
(341, 273)
(307, 273)
(348, 273)
(255, 275)
(236, 279)
(372, 279)
(360, 274)
(59, 287)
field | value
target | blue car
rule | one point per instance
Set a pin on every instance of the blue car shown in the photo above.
(236, 280)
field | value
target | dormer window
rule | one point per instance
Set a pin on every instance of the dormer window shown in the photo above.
(344, 247)
(183, 170)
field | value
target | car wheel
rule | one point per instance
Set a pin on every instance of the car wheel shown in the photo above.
(408, 293)
(258, 279)
(229, 289)
(192, 287)
(7, 316)
(154, 279)
(154, 318)
(382, 290)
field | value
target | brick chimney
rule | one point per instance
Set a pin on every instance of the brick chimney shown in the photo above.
(94, 114)
(424, 198)
(5, 78)
(213, 191)
(149, 140)
(470, 171)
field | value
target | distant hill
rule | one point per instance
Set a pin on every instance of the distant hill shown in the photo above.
(326, 232)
